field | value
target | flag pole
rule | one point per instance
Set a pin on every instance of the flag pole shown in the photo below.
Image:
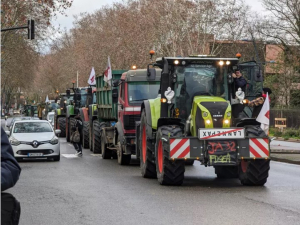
(77, 78)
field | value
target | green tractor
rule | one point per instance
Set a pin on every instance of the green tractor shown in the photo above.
(60, 113)
(82, 97)
(200, 117)
(27, 110)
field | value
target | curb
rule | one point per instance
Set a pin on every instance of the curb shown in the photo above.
(285, 160)
(289, 140)
(285, 151)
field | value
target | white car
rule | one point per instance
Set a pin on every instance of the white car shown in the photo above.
(34, 139)
(50, 118)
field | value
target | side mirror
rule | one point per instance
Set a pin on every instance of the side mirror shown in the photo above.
(57, 131)
(115, 95)
(116, 83)
(7, 133)
(258, 75)
(50, 121)
(151, 73)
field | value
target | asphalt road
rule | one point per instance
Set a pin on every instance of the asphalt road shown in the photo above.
(90, 190)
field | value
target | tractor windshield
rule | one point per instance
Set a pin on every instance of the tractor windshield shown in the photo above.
(195, 80)
(139, 91)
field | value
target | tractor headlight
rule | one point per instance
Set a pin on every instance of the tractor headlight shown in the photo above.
(226, 121)
(229, 114)
(207, 121)
(176, 62)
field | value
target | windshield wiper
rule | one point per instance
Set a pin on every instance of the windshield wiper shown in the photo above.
(135, 100)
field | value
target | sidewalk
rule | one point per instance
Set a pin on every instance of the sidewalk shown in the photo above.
(285, 151)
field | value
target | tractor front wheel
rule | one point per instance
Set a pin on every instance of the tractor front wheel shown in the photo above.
(168, 172)
(254, 172)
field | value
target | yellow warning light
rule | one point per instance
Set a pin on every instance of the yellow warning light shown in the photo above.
(152, 52)
(197, 158)
(242, 158)
(163, 100)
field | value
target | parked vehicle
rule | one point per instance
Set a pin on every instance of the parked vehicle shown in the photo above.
(34, 139)
(50, 118)
(9, 126)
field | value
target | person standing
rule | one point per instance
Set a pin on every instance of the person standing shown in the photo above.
(259, 101)
(77, 143)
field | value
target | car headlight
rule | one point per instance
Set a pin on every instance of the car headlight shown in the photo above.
(54, 140)
(14, 141)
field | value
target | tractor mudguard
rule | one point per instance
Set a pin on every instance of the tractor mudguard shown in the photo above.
(58, 112)
(119, 128)
(146, 106)
(84, 114)
(155, 106)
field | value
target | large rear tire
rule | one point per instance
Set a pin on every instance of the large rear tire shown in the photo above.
(228, 172)
(168, 172)
(68, 130)
(147, 157)
(86, 134)
(96, 137)
(62, 126)
(254, 172)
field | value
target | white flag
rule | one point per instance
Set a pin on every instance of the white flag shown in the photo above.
(264, 116)
(108, 73)
(47, 99)
(92, 79)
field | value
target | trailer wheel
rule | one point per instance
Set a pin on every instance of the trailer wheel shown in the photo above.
(168, 172)
(122, 158)
(227, 171)
(106, 153)
(96, 137)
(147, 157)
(85, 134)
(62, 126)
(254, 172)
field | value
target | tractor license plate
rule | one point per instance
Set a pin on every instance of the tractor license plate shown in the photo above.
(230, 133)
(34, 154)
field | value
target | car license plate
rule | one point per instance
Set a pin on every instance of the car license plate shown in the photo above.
(34, 154)
(235, 133)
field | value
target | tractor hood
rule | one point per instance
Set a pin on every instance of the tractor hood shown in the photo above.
(210, 112)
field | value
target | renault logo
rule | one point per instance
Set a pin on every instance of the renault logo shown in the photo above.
(35, 144)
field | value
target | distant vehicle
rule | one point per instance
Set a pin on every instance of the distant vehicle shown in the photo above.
(16, 112)
(34, 139)
(9, 126)
(50, 118)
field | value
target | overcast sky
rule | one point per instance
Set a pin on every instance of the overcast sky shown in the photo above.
(80, 6)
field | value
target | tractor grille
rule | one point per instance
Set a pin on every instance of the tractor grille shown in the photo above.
(217, 111)
(129, 121)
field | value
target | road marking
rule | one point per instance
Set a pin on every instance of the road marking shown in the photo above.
(69, 156)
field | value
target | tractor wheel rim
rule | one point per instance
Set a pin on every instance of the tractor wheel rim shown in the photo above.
(144, 144)
(244, 166)
(160, 156)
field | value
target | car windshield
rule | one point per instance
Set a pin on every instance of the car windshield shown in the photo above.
(32, 127)
(140, 90)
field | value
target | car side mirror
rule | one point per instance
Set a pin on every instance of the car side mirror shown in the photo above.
(57, 131)
(115, 95)
(7, 133)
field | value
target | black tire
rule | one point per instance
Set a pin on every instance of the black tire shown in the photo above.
(122, 158)
(254, 172)
(147, 160)
(62, 126)
(168, 172)
(227, 172)
(68, 130)
(189, 162)
(105, 152)
(86, 134)
(56, 158)
(96, 137)
(91, 138)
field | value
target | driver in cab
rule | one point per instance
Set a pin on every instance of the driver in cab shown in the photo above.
(239, 80)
